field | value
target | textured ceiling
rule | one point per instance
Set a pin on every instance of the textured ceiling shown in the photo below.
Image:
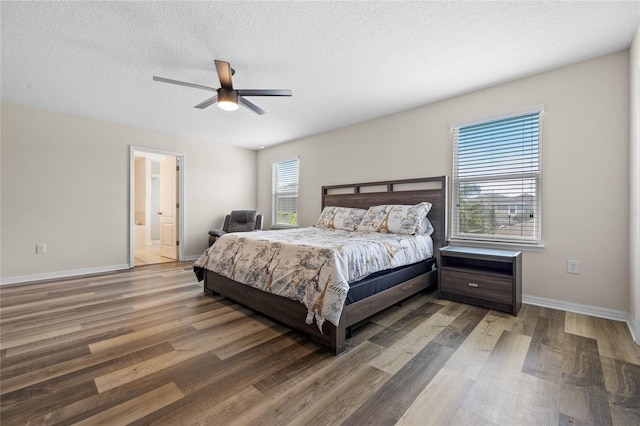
(345, 62)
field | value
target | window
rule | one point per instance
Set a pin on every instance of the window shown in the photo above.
(285, 193)
(496, 180)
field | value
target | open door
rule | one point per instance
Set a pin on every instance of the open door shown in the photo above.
(169, 207)
(166, 246)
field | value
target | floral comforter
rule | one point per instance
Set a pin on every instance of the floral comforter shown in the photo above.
(311, 265)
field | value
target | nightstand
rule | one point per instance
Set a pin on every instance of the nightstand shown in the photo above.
(484, 277)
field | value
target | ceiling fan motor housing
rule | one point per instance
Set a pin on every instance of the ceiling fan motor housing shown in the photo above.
(227, 99)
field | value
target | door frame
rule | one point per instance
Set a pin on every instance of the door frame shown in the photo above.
(180, 198)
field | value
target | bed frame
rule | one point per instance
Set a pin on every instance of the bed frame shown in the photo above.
(362, 195)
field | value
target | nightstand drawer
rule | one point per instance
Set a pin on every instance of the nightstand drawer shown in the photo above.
(488, 287)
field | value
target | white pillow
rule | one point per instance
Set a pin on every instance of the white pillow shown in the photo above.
(425, 228)
(344, 218)
(394, 218)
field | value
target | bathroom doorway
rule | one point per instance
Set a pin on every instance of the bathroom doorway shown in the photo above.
(155, 227)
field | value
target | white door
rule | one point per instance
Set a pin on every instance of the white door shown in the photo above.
(169, 209)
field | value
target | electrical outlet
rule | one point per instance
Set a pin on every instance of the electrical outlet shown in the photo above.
(41, 248)
(573, 267)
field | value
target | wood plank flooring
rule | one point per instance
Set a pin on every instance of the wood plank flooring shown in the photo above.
(146, 346)
(149, 255)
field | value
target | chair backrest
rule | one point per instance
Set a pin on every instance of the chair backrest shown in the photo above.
(242, 221)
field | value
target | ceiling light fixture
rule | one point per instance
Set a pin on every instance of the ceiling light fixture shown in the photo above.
(227, 99)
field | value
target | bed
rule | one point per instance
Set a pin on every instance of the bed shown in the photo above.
(363, 297)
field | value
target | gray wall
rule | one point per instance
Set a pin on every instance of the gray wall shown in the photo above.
(585, 169)
(65, 183)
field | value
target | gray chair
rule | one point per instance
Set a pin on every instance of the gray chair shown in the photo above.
(237, 221)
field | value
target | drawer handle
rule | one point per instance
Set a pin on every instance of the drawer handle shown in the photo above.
(474, 285)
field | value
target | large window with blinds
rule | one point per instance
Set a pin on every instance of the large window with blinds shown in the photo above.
(285, 193)
(496, 180)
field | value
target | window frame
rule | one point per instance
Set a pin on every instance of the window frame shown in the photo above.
(277, 195)
(533, 243)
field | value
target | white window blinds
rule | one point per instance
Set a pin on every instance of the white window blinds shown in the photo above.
(496, 180)
(285, 193)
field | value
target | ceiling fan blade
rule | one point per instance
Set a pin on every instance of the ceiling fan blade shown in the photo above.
(212, 100)
(264, 92)
(183, 83)
(224, 74)
(250, 105)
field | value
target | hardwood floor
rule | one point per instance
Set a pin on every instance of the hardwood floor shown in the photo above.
(147, 347)
(149, 255)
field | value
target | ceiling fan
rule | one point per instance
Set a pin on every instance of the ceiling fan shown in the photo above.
(226, 96)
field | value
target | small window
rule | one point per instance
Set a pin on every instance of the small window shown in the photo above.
(496, 180)
(285, 193)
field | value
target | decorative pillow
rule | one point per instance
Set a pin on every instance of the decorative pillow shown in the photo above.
(394, 218)
(425, 228)
(344, 218)
(325, 217)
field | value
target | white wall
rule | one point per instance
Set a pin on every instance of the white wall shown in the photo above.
(585, 181)
(65, 183)
(634, 190)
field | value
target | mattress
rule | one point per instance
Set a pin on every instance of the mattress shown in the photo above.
(384, 280)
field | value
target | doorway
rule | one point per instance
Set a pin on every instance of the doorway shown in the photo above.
(155, 205)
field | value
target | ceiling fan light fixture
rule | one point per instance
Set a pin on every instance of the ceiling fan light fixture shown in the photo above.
(227, 99)
(228, 105)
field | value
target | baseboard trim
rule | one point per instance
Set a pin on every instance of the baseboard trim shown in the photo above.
(594, 311)
(63, 274)
(190, 258)
(633, 328)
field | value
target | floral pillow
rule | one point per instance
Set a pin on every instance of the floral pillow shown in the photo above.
(394, 218)
(344, 218)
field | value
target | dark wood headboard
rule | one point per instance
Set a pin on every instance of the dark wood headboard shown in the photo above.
(406, 191)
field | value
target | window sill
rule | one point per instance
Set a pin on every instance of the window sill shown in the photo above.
(536, 248)
(276, 227)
